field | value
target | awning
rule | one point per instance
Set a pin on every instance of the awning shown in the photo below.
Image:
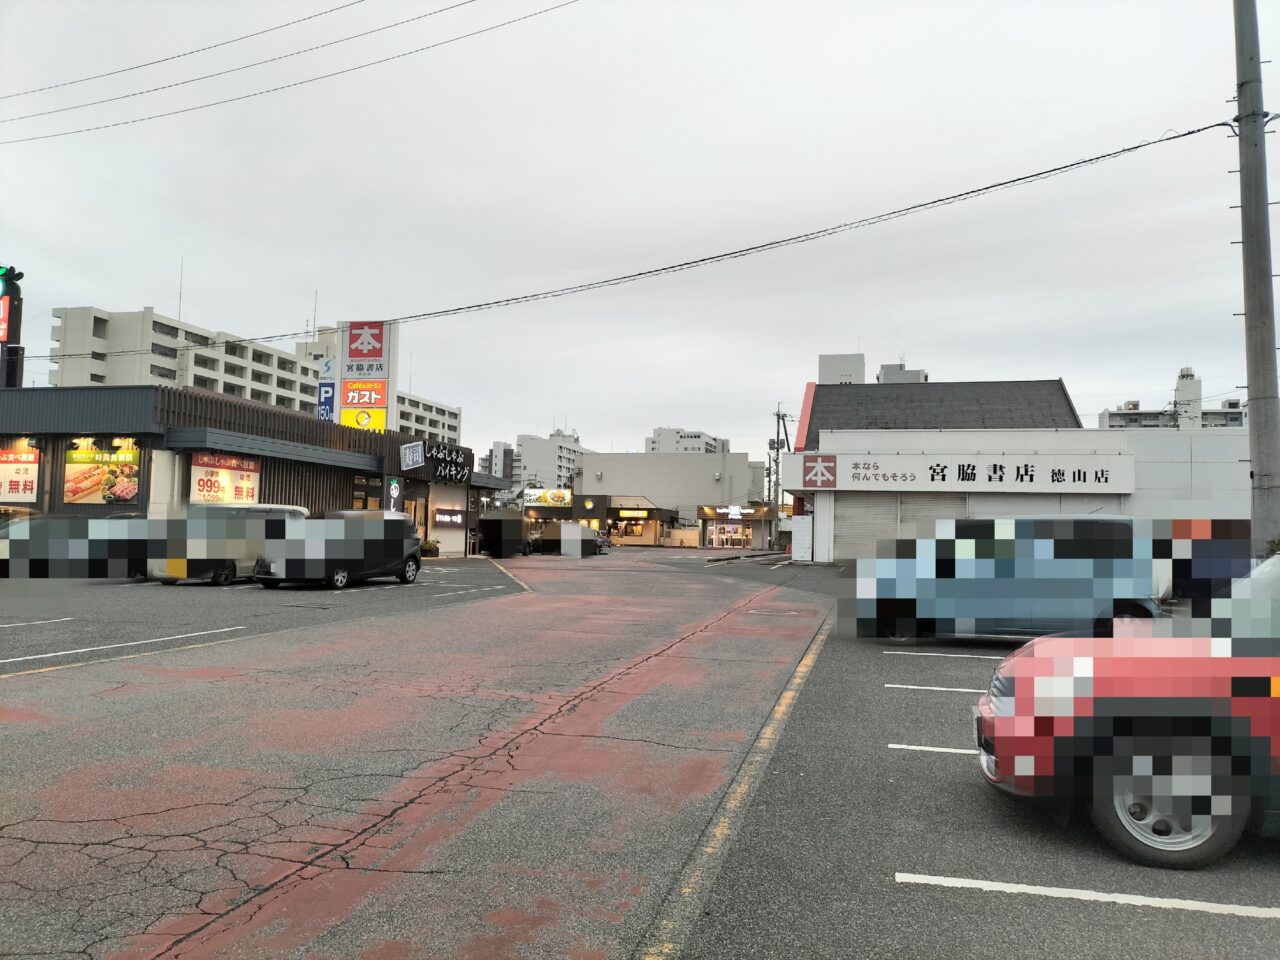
(226, 441)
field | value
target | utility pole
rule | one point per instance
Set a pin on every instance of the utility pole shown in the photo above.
(1259, 301)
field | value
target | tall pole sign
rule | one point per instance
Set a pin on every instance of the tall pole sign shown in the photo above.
(366, 384)
(11, 349)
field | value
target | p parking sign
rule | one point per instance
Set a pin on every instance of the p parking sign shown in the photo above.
(324, 398)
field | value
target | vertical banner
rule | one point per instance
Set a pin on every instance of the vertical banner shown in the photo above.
(366, 375)
(325, 391)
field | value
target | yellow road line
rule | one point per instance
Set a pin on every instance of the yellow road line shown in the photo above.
(683, 903)
(510, 574)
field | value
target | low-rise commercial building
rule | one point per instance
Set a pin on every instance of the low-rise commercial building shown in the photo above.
(99, 451)
(884, 462)
(674, 481)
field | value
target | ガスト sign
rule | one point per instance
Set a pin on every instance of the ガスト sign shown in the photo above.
(222, 478)
(364, 393)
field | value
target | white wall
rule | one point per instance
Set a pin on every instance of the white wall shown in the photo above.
(1178, 474)
(674, 481)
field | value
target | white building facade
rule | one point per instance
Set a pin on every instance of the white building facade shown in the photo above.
(101, 347)
(680, 440)
(861, 486)
(550, 461)
(674, 481)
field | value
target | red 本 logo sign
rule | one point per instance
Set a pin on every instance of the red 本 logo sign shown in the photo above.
(365, 341)
(819, 472)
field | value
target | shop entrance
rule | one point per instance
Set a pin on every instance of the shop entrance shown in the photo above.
(728, 534)
(366, 493)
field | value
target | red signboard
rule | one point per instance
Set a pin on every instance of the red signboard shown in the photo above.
(365, 341)
(364, 393)
(819, 472)
(4, 318)
(224, 461)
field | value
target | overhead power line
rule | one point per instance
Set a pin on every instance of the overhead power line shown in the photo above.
(247, 66)
(296, 83)
(179, 56)
(715, 258)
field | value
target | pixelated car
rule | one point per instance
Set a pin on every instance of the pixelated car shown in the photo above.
(1014, 577)
(1172, 743)
(342, 548)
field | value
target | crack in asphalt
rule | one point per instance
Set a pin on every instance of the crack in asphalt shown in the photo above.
(171, 874)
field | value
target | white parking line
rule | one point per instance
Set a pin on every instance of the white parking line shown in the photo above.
(112, 646)
(908, 686)
(33, 623)
(782, 564)
(962, 656)
(909, 746)
(1068, 893)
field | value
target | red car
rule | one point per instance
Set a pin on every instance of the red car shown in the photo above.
(1173, 743)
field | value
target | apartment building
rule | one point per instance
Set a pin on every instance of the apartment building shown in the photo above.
(1187, 411)
(680, 440)
(549, 461)
(92, 346)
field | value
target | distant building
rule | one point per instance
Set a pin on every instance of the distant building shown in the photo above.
(499, 461)
(92, 347)
(550, 461)
(898, 373)
(1186, 412)
(680, 440)
(842, 368)
(674, 481)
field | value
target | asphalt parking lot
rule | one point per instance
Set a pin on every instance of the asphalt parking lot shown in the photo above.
(545, 757)
(53, 623)
(874, 835)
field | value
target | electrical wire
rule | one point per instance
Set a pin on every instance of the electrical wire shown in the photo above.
(247, 66)
(715, 258)
(179, 56)
(296, 83)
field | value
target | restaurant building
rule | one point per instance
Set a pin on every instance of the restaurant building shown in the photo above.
(747, 526)
(104, 451)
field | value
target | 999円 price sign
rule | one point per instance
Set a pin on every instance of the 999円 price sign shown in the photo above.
(224, 478)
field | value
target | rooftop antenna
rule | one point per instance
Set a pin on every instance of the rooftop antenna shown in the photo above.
(315, 302)
(181, 267)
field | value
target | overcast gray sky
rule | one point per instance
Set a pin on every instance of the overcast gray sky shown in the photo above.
(612, 136)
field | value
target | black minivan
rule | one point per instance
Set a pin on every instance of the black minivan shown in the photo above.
(342, 548)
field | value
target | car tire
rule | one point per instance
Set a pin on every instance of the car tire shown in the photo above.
(224, 576)
(168, 582)
(337, 579)
(409, 572)
(1133, 822)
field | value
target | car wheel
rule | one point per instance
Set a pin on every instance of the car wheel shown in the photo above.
(338, 579)
(1181, 810)
(224, 576)
(409, 572)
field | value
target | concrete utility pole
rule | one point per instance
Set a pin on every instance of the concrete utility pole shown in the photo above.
(1259, 301)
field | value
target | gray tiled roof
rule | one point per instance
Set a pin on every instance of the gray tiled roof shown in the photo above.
(990, 404)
